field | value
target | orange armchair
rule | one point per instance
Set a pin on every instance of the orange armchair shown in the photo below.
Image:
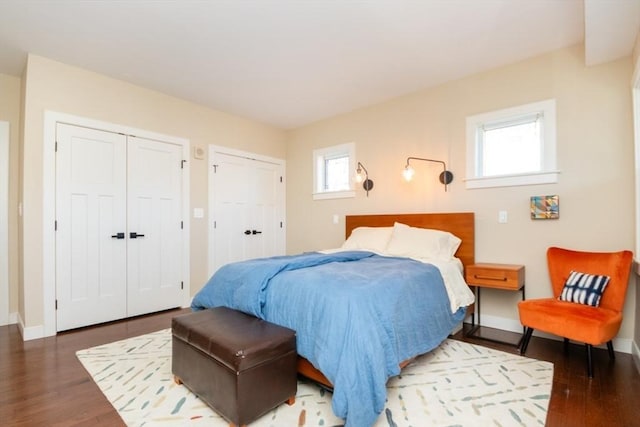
(577, 321)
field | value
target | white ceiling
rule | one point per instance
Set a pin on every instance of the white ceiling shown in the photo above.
(292, 62)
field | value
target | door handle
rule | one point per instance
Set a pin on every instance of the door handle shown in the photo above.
(247, 232)
(134, 235)
(256, 232)
(118, 236)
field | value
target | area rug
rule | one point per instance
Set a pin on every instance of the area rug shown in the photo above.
(457, 384)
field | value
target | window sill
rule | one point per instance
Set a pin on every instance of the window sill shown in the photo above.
(334, 195)
(550, 177)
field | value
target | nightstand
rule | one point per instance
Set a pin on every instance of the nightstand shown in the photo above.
(507, 277)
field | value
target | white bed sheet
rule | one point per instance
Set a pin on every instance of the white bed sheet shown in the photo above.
(459, 293)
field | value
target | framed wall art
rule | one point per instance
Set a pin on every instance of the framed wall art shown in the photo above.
(545, 207)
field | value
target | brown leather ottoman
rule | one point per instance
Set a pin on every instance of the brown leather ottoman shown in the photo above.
(238, 364)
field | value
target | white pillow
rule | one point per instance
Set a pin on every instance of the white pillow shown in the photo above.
(369, 238)
(416, 242)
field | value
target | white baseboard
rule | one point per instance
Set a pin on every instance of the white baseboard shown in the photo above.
(635, 352)
(35, 332)
(30, 333)
(12, 319)
(503, 323)
(622, 345)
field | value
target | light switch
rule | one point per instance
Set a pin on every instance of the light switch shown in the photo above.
(502, 217)
(198, 213)
(336, 219)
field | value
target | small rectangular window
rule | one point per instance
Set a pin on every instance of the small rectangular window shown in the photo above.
(336, 173)
(332, 169)
(509, 147)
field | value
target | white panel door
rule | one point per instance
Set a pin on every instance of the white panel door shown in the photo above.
(247, 209)
(90, 225)
(154, 231)
(230, 195)
(265, 193)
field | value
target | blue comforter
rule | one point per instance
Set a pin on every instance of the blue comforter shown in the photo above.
(357, 315)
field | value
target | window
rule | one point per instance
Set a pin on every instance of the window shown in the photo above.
(332, 168)
(515, 146)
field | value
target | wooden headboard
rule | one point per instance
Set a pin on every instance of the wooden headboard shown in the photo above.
(461, 224)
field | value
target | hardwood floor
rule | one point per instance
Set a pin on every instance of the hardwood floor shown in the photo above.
(42, 383)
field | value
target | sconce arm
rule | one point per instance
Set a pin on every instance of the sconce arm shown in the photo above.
(445, 177)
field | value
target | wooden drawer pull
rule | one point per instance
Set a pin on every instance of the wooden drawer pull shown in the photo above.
(502, 279)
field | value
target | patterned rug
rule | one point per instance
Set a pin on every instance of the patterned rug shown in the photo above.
(457, 384)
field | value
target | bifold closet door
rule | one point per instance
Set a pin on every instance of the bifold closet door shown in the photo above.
(91, 251)
(154, 233)
(118, 226)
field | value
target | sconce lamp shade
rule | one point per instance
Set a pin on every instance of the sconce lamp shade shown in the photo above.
(408, 172)
(446, 177)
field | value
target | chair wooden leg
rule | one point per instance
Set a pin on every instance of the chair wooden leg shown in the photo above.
(525, 340)
(589, 360)
(612, 354)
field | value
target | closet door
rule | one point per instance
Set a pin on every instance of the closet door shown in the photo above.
(90, 226)
(154, 233)
(247, 209)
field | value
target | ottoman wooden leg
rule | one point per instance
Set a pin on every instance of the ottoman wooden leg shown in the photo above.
(177, 380)
(291, 400)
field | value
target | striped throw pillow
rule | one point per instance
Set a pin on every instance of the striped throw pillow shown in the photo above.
(584, 288)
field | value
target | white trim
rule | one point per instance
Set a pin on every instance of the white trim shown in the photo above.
(327, 195)
(503, 323)
(319, 155)
(513, 180)
(30, 333)
(4, 223)
(635, 94)
(51, 118)
(247, 155)
(547, 175)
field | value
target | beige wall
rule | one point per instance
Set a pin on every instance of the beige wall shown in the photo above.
(54, 86)
(595, 156)
(10, 112)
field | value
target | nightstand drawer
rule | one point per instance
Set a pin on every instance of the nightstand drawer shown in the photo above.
(501, 276)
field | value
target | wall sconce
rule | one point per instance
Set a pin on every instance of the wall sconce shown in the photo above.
(445, 177)
(367, 184)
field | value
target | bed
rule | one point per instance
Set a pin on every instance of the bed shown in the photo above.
(360, 314)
